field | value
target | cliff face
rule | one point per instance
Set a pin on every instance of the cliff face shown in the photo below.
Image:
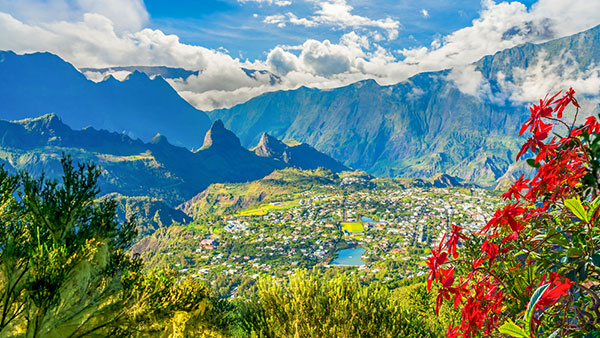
(299, 155)
(422, 126)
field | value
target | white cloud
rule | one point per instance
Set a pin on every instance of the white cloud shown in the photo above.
(338, 13)
(277, 19)
(468, 80)
(130, 15)
(547, 75)
(280, 3)
(425, 13)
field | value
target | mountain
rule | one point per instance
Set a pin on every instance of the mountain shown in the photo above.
(151, 213)
(39, 83)
(131, 167)
(299, 155)
(150, 71)
(228, 198)
(434, 122)
(445, 181)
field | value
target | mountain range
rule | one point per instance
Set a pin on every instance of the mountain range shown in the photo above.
(40, 83)
(462, 122)
(131, 167)
(437, 122)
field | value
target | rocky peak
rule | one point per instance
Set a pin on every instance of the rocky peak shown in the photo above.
(219, 136)
(269, 146)
(159, 139)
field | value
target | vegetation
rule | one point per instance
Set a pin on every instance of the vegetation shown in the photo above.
(308, 306)
(534, 270)
(64, 270)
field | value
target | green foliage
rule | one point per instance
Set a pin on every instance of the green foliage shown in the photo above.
(64, 270)
(308, 306)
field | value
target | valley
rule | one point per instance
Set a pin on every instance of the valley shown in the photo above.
(395, 222)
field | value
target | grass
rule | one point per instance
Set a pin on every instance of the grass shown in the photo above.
(264, 209)
(353, 226)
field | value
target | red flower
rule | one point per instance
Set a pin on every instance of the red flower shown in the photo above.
(564, 101)
(435, 262)
(557, 289)
(506, 216)
(452, 332)
(455, 236)
(593, 127)
(490, 249)
(515, 189)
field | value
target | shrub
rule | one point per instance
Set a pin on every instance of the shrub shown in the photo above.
(533, 270)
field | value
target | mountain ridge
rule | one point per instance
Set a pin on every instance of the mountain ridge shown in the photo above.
(40, 83)
(428, 124)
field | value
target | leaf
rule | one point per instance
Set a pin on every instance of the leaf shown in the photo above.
(574, 204)
(596, 259)
(533, 301)
(554, 334)
(511, 329)
(583, 273)
(595, 204)
(532, 163)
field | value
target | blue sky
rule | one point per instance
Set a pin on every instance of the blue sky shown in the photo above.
(316, 43)
(239, 27)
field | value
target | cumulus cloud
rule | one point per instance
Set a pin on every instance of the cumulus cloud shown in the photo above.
(338, 13)
(280, 3)
(128, 15)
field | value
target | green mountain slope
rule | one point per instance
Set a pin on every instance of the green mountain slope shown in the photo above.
(299, 155)
(151, 213)
(131, 167)
(420, 127)
(219, 199)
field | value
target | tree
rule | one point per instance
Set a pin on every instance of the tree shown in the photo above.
(307, 305)
(65, 270)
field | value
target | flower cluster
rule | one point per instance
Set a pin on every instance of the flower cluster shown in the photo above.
(538, 267)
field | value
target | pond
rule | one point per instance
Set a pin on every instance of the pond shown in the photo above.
(350, 257)
(367, 219)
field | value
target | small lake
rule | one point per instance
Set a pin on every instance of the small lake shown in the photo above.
(367, 219)
(349, 257)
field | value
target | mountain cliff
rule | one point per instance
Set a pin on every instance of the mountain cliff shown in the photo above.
(131, 167)
(433, 123)
(299, 155)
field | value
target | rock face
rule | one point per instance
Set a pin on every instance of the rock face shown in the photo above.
(422, 126)
(34, 84)
(220, 138)
(300, 155)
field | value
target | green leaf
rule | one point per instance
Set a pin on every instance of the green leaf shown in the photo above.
(511, 329)
(532, 163)
(574, 204)
(533, 301)
(594, 205)
(583, 273)
(558, 239)
(596, 259)
(554, 334)
(574, 252)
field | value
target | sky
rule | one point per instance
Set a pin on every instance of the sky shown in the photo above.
(316, 43)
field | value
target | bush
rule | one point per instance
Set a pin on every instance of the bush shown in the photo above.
(64, 270)
(534, 270)
(308, 306)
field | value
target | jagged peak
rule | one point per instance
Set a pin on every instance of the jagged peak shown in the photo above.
(49, 121)
(159, 139)
(220, 136)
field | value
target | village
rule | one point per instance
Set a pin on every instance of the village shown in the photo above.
(386, 232)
